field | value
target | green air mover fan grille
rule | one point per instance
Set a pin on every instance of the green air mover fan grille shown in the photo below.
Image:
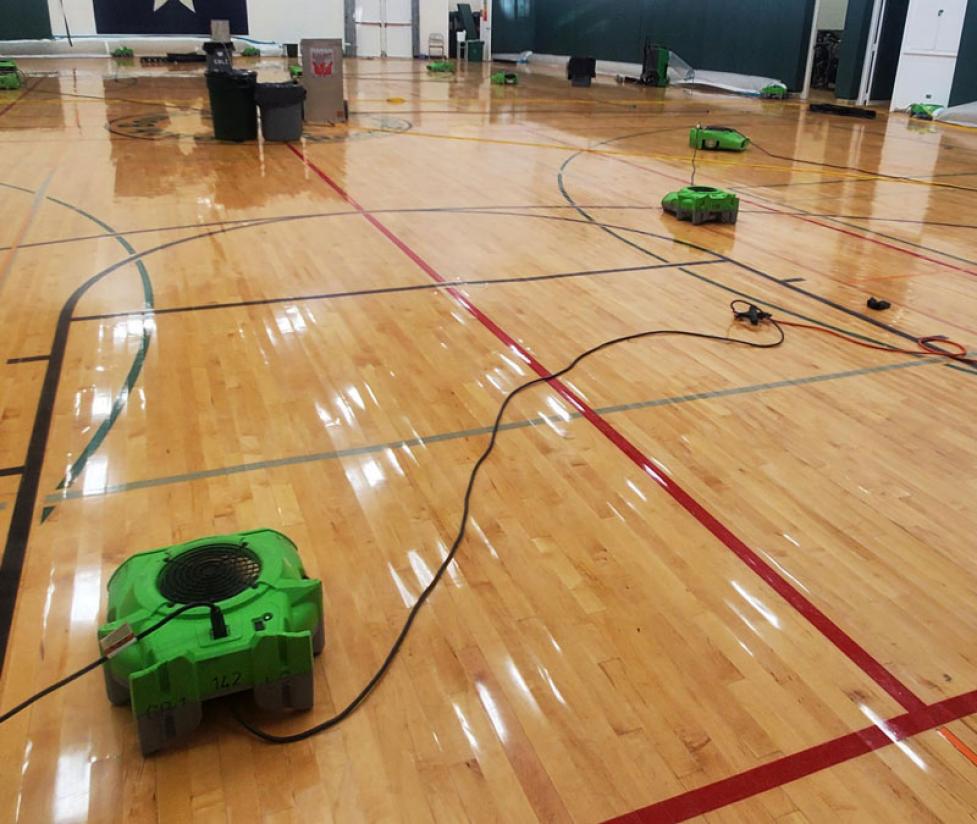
(272, 612)
(214, 572)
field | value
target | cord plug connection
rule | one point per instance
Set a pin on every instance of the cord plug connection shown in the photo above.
(753, 313)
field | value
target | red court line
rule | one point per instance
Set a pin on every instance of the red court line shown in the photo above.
(830, 630)
(801, 764)
(807, 219)
(17, 100)
(858, 236)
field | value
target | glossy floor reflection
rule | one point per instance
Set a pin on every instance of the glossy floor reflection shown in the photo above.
(698, 579)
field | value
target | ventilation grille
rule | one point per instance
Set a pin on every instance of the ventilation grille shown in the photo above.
(209, 573)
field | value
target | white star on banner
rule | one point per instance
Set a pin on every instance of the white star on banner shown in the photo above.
(158, 4)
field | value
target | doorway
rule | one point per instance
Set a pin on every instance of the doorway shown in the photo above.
(870, 47)
(883, 50)
(384, 28)
(829, 27)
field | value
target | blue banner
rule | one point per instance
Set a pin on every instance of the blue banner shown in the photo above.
(168, 16)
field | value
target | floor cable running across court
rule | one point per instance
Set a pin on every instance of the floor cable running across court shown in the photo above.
(751, 315)
(748, 314)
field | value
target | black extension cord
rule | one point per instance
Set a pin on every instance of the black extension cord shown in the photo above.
(751, 314)
(217, 624)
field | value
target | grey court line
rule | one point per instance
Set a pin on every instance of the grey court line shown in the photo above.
(35, 207)
(69, 495)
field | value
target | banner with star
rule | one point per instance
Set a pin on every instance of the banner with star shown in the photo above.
(168, 16)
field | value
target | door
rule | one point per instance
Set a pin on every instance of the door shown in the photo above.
(934, 27)
(887, 51)
(929, 52)
(871, 52)
(384, 28)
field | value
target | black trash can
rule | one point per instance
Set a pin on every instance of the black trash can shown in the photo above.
(281, 110)
(580, 70)
(218, 56)
(232, 104)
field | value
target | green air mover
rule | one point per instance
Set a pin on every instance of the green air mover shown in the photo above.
(505, 79)
(262, 636)
(702, 204)
(9, 75)
(775, 91)
(654, 65)
(718, 137)
(440, 66)
(925, 111)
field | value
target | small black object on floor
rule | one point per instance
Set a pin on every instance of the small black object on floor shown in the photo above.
(844, 111)
(580, 70)
(173, 57)
(878, 305)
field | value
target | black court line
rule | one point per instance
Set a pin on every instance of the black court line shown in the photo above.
(22, 518)
(61, 93)
(238, 221)
(29, 359)
(792, 280)
(637, 111)
(21, 522)
(10, 471)
(793, 287)
(387, 290)
(801, 212)
(833, 216)
(873, 179)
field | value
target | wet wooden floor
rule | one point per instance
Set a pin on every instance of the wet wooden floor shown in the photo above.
(699, 579)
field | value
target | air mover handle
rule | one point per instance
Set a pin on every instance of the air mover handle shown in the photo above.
(218, 626)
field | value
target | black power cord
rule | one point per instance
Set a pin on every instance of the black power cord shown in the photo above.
(218, 627)
(67, 28)
(751, 314)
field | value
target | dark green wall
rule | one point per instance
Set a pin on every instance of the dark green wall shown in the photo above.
(964, 88)
(24, 20)
(854, 41)
(513, 25)
(761, 37)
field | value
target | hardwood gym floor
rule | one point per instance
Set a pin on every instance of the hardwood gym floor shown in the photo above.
(699, 579)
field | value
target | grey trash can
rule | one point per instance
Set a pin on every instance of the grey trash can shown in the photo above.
(281, 110)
